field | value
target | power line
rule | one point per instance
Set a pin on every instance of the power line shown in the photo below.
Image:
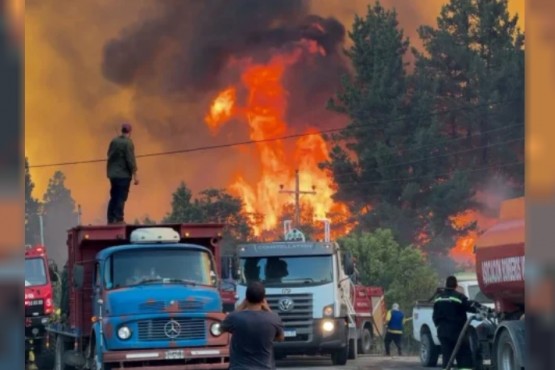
(347, 173)
(436, 176)
(286, 137)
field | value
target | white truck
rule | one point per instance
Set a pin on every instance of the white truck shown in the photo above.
(308, 285)
(425, 332)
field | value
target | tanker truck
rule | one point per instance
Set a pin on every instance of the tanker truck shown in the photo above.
(500, 262)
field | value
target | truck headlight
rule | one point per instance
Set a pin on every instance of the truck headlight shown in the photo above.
(328, 311)
(216, 329)
(328, 326)
(124, 333)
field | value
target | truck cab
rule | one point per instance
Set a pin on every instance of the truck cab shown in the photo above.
(149, 300)
(39, 303)
(308, 285)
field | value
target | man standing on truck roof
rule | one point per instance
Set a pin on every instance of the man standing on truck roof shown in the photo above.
(449, 317)
(394, 320)
(254, 328)
(121, 169)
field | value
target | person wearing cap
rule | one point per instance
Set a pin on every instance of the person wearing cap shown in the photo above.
(449, 316)
(121, 170)
(395, 321)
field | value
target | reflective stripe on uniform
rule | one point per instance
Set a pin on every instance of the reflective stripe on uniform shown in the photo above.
(394, 331)
(443, 299)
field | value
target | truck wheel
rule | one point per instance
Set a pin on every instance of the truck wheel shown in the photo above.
(59, 353)
(353, 349)
(340, 357)
(365, 342)
(96, 364)
(505, 352)
(429, 352)
(45, 357)
(476, 351)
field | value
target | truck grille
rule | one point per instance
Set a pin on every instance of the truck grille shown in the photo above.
(298, 318)
(161, 329)
(34, 308)
(183, 306)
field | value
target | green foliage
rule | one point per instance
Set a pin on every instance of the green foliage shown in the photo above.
(32, 209)
(213, 206)
(402, 271)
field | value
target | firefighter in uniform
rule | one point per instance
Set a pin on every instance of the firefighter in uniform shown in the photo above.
(450, 308)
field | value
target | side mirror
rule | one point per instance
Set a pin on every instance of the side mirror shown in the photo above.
(78, 276)
(348, 265)
(53, 275)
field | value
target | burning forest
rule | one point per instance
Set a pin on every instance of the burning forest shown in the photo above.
(189, 75)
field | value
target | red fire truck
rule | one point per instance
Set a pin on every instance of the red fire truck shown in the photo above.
(39, 303)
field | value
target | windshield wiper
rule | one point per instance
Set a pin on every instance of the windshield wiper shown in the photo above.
(302, 280)
(146, 281)
(182, 281)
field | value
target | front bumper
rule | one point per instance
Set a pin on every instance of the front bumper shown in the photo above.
(197, 358)
(317, 342)
(35, 326)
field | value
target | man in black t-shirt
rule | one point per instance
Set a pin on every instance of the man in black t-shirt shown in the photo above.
(254, 328)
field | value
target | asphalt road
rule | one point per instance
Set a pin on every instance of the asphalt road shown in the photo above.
(363, 362)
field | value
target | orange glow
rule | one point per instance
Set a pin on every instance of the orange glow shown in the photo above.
(264, 111)
(463, 251)
(221, 109)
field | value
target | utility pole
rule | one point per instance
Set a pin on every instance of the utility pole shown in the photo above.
(297, 193)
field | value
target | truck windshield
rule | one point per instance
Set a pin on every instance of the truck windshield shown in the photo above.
(35, 272)
(475, 294)
(164, 266)
(286, 271)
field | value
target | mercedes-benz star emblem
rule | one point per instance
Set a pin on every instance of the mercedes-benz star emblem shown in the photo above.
(172, 329)
(285, 304)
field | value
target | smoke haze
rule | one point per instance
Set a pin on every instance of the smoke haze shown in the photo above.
(90, 66)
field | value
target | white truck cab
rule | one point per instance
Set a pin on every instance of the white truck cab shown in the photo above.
(308, 286)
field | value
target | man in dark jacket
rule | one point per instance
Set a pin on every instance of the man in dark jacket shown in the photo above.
(450, 308)
(121, 169)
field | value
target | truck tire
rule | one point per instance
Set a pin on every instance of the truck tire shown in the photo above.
(96, 364)
(365, 342)
(339, 358)
(476, 351)
(429, 352)
(353, 349)
(44, 357)
(505, 353)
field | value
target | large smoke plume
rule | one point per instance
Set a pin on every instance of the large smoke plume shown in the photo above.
(184, 50)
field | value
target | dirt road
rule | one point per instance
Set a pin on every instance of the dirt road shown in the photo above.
(364, 362)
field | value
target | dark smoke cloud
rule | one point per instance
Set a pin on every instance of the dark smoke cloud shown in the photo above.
(185, 47)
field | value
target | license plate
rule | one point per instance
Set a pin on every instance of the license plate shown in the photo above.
(175, 354)
(290, 333)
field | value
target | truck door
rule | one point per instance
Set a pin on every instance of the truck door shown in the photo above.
(97, 290)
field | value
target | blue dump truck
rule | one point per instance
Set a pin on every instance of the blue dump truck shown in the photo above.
(141, 297)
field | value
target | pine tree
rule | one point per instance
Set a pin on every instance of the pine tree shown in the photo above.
(32, 209)
(475, 59)
(386, 161)
(59, 215)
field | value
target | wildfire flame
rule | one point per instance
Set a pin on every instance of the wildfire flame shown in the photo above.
(463, 251)
(264, 111)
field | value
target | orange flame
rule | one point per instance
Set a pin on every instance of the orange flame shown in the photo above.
(221, 109)
(264, 111)
(463, 251)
